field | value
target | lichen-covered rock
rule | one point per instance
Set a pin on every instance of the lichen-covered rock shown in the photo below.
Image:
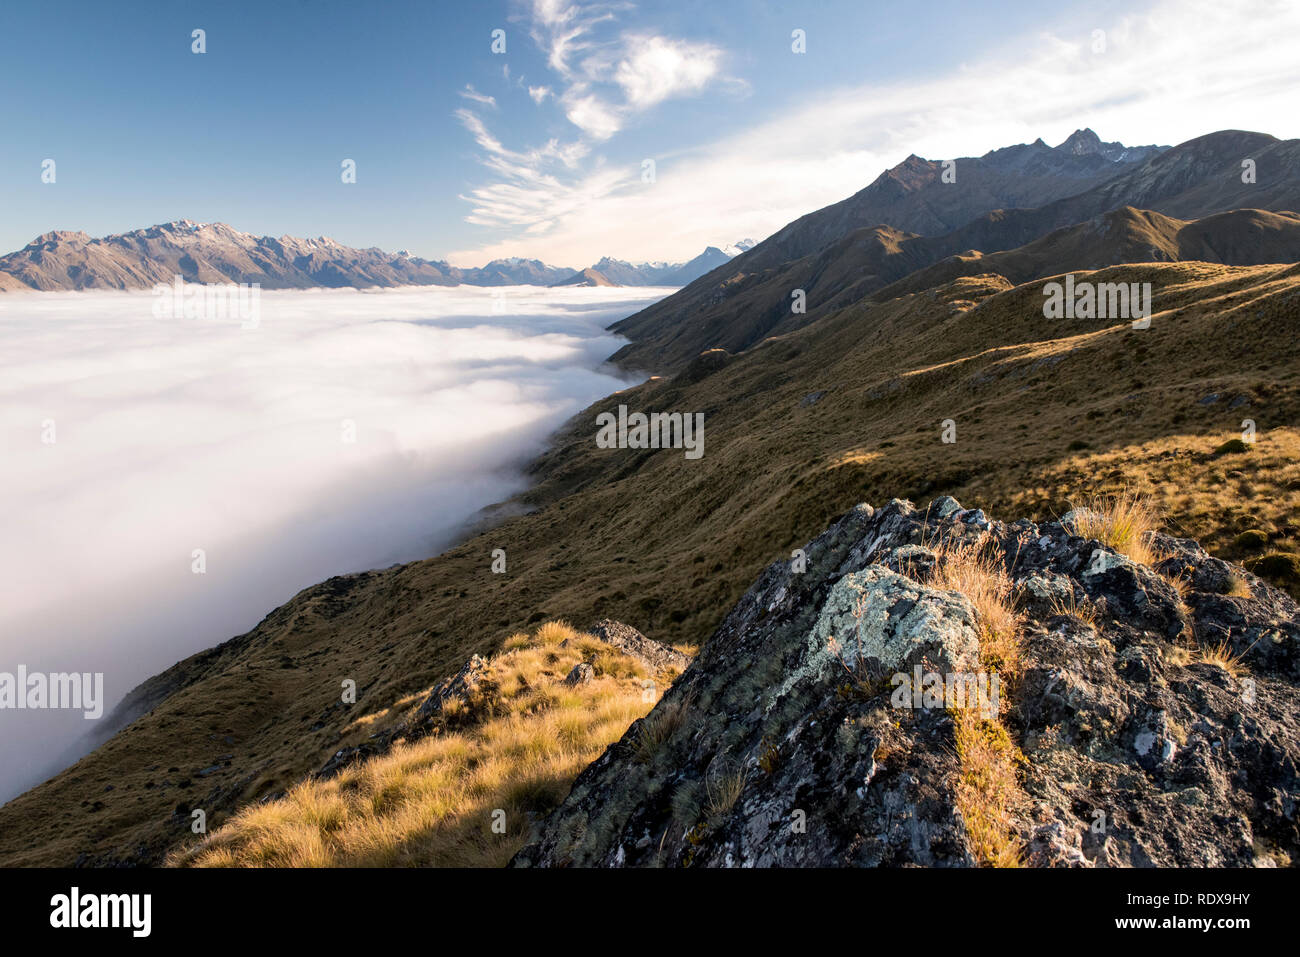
(882, 621)
(1156, 710)
(459, 687)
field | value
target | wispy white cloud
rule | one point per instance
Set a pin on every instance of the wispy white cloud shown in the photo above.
(591, 114)
(605, 77)
(655, 68)
(470, 93)
(565, 30)
(1178, 69)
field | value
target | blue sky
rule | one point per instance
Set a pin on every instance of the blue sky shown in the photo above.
(466, 153)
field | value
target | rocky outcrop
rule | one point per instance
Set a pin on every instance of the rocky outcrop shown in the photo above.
(655, 656)
(472, 693)
(1155, 708)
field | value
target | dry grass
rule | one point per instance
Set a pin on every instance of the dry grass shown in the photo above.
(987, 791)
(659, 726)
(1221, 656)
(1082, 611)
(723, 795)
(690, 541)
(434, 802)
(1181, 584)
(1238, 587)
(1125, 522)
(1237, 517)
(980, 576)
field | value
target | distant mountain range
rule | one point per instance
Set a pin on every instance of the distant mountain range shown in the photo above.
(617, 272)
(218, 253)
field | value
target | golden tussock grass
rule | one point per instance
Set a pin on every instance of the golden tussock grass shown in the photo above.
(1115, 410)
(1222, 656)
(987, 791)
(1126, 522)
(980, 576)
(1081, 610)
(1238, 587)
(433, 802)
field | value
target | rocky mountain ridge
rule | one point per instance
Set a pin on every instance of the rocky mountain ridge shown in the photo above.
(1154, 709)
(908, 331)
(844, 252)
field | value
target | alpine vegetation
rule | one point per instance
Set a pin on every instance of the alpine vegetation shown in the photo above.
(991, 563)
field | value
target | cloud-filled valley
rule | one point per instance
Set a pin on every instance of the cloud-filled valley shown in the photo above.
(348, 430)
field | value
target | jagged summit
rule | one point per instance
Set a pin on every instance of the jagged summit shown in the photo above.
(1081, 142)
(1087, 143)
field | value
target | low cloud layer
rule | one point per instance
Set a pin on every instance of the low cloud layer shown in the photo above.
(173, 435)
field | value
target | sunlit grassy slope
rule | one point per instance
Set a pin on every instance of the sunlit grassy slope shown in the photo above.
(466, 795)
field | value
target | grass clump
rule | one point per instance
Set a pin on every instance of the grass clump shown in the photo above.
(1221, 656)
(724, 793)
(1282, 567)
(1237, 587)
(1126, 522)
(1082, 611)
(1253, 539)
(658, 726)
(465, 796)
(980, 576)
(987, 788)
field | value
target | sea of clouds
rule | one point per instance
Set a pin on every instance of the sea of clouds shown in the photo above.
(345, 430)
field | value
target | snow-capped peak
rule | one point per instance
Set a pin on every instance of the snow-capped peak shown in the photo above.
(735, 249)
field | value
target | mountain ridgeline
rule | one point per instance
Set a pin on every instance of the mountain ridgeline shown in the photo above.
(217, 253)
(910, 219)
